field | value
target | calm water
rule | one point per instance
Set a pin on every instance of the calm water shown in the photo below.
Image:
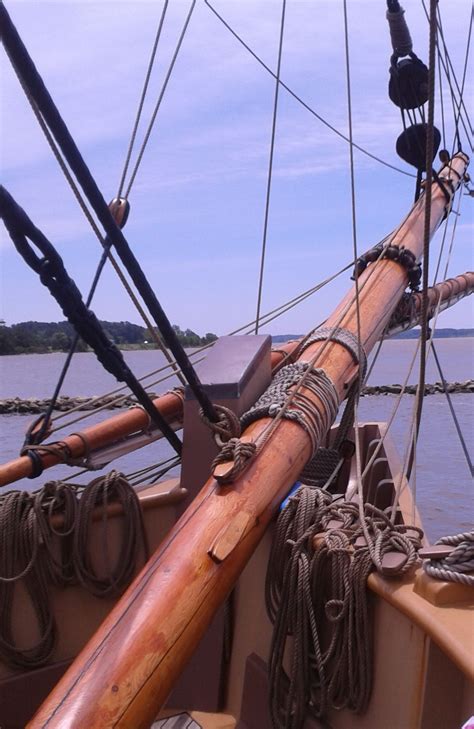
(443, 484)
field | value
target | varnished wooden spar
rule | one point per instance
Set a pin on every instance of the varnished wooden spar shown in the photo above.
(126, 671)
(171, 406)
(110, 431)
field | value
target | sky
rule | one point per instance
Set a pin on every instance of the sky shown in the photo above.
(197, 207)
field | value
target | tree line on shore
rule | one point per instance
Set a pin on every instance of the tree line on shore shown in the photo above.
(33, 337)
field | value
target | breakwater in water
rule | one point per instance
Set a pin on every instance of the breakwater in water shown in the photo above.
(33, 405)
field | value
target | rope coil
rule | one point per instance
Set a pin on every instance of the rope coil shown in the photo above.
(455, 566)
(37, 553)
(315, 586)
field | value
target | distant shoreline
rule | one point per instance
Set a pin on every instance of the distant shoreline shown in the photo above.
(446, 333)
(52, 338)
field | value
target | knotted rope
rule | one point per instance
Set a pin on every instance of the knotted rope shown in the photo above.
(285, 398)
(34, 552)
(454, 567)
(316, 586)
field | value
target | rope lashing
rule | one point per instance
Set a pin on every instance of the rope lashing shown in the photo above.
(227, 426)
(315, 586)
(238, 451)
(38, 554)
(393, 252)
(345, 338)
(457, 566)
(284, 398)
(53, 275)
(323, 467)
(399, 34)
(273, 403)
(27, 72)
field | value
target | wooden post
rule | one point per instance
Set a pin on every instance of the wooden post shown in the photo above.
(126, 671)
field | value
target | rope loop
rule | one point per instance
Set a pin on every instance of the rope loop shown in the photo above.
(37, 552)
(227, 426)
(238, 451)
(308, 551)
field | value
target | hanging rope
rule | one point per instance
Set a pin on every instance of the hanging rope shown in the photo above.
(315, 587)
(37, 554)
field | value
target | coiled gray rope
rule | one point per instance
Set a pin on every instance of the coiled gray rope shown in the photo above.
(275, 400)
(454, 567)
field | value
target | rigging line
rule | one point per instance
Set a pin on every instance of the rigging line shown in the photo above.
(22, 59)
(266, 319)
(441, 98)
(106, 406)
(453, 412)
(82, 204)
(160, 99)
(427, 222)
(300, 100)
(270, 165)
(466, 59)
(142, 100)
(282, 309)
(449, 62)
(358, 456)
(447, 65)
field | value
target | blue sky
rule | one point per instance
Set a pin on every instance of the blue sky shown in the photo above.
(198, 203)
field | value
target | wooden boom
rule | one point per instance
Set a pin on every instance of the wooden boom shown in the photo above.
(126, 671)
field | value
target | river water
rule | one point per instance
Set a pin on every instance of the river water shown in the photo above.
(443, 484)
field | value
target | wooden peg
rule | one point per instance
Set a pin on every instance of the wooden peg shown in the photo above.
(229, 537)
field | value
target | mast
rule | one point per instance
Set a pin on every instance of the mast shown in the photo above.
(126, 671)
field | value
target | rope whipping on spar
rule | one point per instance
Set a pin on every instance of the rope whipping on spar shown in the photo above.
(30, 77)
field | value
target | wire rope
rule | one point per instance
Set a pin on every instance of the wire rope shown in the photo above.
(270, 167)
(300, 100)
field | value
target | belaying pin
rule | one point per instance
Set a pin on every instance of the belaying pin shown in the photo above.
(120, 208)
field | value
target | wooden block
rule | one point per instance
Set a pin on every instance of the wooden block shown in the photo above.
(435, 551)
(229, 537)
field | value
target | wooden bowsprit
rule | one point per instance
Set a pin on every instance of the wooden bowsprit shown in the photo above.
(126, 671)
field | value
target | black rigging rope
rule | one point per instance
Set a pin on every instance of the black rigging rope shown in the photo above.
(54, 276)
(27, 71)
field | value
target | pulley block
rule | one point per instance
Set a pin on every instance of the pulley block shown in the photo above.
(408, 84)
(411, 145)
